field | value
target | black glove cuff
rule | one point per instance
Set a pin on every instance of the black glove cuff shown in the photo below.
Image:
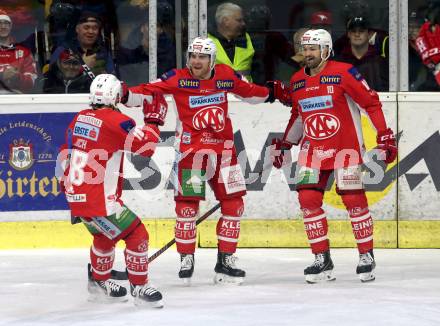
(271, 97)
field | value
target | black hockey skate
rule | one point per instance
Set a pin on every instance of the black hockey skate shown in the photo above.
(146, 295)
(105, 291)
(226, 271)
(186, 268)
(321, 269)
(366, 267)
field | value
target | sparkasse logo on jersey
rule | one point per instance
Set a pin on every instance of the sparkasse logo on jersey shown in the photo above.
(316, 103)
(198, 101)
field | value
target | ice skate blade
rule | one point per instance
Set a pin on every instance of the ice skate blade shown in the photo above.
(102, 298)
(321, 277)
(144, 303)
(220, 278)
(367, 277)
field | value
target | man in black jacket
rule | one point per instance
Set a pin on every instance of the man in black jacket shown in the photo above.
(66, 75)
(363, 55)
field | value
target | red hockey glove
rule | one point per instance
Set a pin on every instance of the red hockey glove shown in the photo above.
(277, 91)
(124, 97)
(277, 151)
(156, 111)
(428, 44)
(387, 142)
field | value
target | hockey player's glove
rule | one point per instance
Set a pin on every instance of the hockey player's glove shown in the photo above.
(278, 151)
(386, 140)
(156, 111)
(277, 91)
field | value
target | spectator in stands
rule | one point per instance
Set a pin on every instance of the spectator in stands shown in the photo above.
(321, 20)
(428, 42)
(234, 45)
(133, 53)
(17, 66)
(66, 75)
(61, 23)
(420, 77)
(88, 45)
(272, 49)
(364, 56)
(378, 38)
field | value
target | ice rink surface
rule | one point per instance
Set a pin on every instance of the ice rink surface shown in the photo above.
(48, 287)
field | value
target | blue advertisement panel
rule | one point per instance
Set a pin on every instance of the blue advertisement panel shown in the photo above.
(29, 146)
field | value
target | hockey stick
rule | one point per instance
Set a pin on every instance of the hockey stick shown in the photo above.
(122, 275)
(204, 217)
(173, 241)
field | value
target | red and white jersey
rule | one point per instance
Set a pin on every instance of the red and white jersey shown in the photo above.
(329, 106)
(202, 105)
(19, 57)
(96, 141)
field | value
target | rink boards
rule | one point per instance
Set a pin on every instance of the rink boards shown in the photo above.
(405, 203)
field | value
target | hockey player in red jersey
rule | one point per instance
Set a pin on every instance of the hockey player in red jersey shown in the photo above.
(17, 66)
(92, 181)
(325, 98)
(205, 151)
(428, 40)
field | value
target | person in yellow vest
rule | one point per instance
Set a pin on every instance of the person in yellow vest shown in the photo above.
(234, 45)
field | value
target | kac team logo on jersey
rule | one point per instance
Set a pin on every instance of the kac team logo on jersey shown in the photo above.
(198, 101)
(212, 117)
(321, 126)
(316, 103)
(21, 156)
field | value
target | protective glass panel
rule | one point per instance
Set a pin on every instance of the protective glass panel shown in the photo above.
(59, 46)
(262, 40)
(423, 57)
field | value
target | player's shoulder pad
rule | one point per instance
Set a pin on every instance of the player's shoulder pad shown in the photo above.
(352, 70)
(222, 69)
(168, 74)
(238, 75)
(127, 125)
(298, 75)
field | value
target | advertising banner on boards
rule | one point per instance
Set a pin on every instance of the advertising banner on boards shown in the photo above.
(29, 146)
(29, 143)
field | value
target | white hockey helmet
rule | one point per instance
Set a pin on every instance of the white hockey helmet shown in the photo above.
(105, 89)
(318, 37)
(204, 46)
